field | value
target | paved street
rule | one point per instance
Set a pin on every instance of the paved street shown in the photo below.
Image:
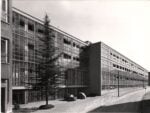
(128, 101)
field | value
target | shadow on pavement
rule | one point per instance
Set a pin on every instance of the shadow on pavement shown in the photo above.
(131, 107)
(145, 106)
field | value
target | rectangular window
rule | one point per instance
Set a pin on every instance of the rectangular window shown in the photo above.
(117, 66)
(4, 12)
(74, 44)
(114, 65)
(4, 50)
(30, 27)
(76, 58)
(66, 56)
(67, 42)
(22, 23)
(3, 5)
(31, 46)
(40, 31)
(77, 46)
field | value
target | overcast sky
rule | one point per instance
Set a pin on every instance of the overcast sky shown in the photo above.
(123, 25)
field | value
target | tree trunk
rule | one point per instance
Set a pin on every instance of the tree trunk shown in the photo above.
(46, 95)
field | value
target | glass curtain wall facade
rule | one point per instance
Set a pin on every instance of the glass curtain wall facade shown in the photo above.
(27, 32)
(83, 66)
(114, 65)
(111, 67)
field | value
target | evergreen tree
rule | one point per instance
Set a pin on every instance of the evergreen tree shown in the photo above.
(48, 70)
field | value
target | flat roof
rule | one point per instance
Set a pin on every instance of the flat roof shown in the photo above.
(124, 56)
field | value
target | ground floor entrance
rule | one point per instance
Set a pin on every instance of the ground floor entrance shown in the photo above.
(19, 97)
(3, 99)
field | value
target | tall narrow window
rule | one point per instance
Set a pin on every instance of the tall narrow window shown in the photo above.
(3, 5)
(4, 13)
(4, 50)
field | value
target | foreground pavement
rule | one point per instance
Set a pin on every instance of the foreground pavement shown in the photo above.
(93, 104)
(145, 105)
(136, 102)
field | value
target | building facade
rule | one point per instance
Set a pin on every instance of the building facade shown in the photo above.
(107, 67)
(87, 67)
(27, 31)
(6, 63)
(84, 66)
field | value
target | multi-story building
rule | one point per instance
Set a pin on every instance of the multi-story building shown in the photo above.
(84, 66)
(88, 67)
(27, 31)
(6, 63)
(107, 67)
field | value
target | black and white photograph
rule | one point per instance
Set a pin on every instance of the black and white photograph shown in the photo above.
(75, 56)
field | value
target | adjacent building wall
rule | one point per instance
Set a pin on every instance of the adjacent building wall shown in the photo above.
(6, 56)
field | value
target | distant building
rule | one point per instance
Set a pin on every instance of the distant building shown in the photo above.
(106, 64)
(6, 57)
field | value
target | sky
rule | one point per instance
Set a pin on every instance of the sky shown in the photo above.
(123, 25)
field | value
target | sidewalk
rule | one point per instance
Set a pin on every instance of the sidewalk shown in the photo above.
(82, 106)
